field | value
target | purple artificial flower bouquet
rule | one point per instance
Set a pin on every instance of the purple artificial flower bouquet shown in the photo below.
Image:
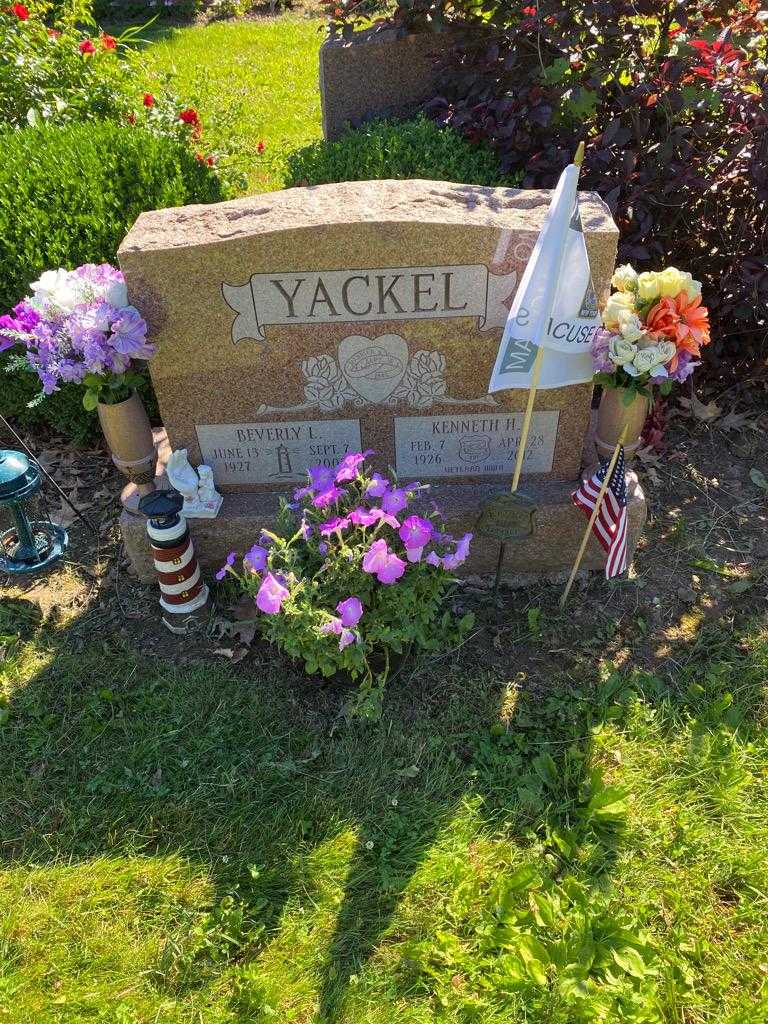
(77, 327)
(351, 577)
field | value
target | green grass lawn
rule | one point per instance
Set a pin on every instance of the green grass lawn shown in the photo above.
(252, 81)
(200, 843)
(530, 835)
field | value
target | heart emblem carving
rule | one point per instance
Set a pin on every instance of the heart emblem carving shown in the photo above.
(373, 366)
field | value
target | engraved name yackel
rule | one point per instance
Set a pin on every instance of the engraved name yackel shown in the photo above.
(346, 296)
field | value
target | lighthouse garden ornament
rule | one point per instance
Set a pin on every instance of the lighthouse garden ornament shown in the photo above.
(654, 327)
(77, 327)
(352, 580)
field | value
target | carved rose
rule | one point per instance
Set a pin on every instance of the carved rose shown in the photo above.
(324, 386)
(424, 381)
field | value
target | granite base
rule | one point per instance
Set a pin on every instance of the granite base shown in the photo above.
(549, 551)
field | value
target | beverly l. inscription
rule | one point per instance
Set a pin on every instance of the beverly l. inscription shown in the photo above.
(481, 445)
(274, 453)
(363, 296)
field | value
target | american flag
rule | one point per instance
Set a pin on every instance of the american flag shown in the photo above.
(610, 526)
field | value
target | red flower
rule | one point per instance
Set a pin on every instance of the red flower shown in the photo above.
(21, 12)
(530, 11)
(131, 119)
(210, 160)
(53, 33)
(190, 116)
(87, 47)
(260, 147)
(108, 42)
(149, 99)
(200, 157)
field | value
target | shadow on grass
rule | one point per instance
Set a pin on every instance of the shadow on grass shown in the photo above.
(239, 770)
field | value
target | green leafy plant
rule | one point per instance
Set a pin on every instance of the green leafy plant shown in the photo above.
(335, 592)
(397, 149)
(68, 195)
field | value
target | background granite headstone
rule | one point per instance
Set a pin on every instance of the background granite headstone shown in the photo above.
(297, 326)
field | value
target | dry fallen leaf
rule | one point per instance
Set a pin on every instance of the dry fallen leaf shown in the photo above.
(705, 413)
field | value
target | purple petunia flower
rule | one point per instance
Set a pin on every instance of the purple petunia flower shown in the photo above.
(320, 477)
(415, 532)
(255, 560)
(351, 611)
(349, 466)
(395, 501)
(337, 524)
(228, 563)
(271, 595)
(378, 486)
(460, 554)
(322, 549)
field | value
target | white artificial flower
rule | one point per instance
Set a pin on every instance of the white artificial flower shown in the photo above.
(646, 359)
(619, 303)
(624, 278)
(57, 288)
(116, 294)
(630, 326)
(621, 351)
(667, 350)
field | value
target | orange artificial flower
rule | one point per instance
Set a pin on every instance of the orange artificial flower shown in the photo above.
(683, 320)
(693, 329)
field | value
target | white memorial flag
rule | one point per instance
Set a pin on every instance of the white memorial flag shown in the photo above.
(555, 306)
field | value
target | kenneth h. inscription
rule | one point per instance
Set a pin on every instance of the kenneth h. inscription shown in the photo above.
(347, 296)
(276, 453)
(452, 446)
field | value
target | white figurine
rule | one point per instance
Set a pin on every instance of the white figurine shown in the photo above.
(201, 499)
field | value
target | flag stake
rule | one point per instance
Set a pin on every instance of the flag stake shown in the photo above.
(593, 517)
(536, 373)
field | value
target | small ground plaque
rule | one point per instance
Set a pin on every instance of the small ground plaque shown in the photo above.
(277, 453)
(472, 445)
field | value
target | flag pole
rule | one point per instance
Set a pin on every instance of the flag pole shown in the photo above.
(593, 517)
(535, 375)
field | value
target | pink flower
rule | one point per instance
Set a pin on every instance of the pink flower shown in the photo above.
(375, 558)
(349, 466)
(351, 611)
(271, 595)
(368, 516)
(338, 523)
(415, 532)
(392, 571)
(382, 562)
(336, 626)
(256, 559)
(327, 497)
(86, 46)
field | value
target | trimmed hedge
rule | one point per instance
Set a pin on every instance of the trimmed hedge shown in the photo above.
(397, 149)
(68, 195)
